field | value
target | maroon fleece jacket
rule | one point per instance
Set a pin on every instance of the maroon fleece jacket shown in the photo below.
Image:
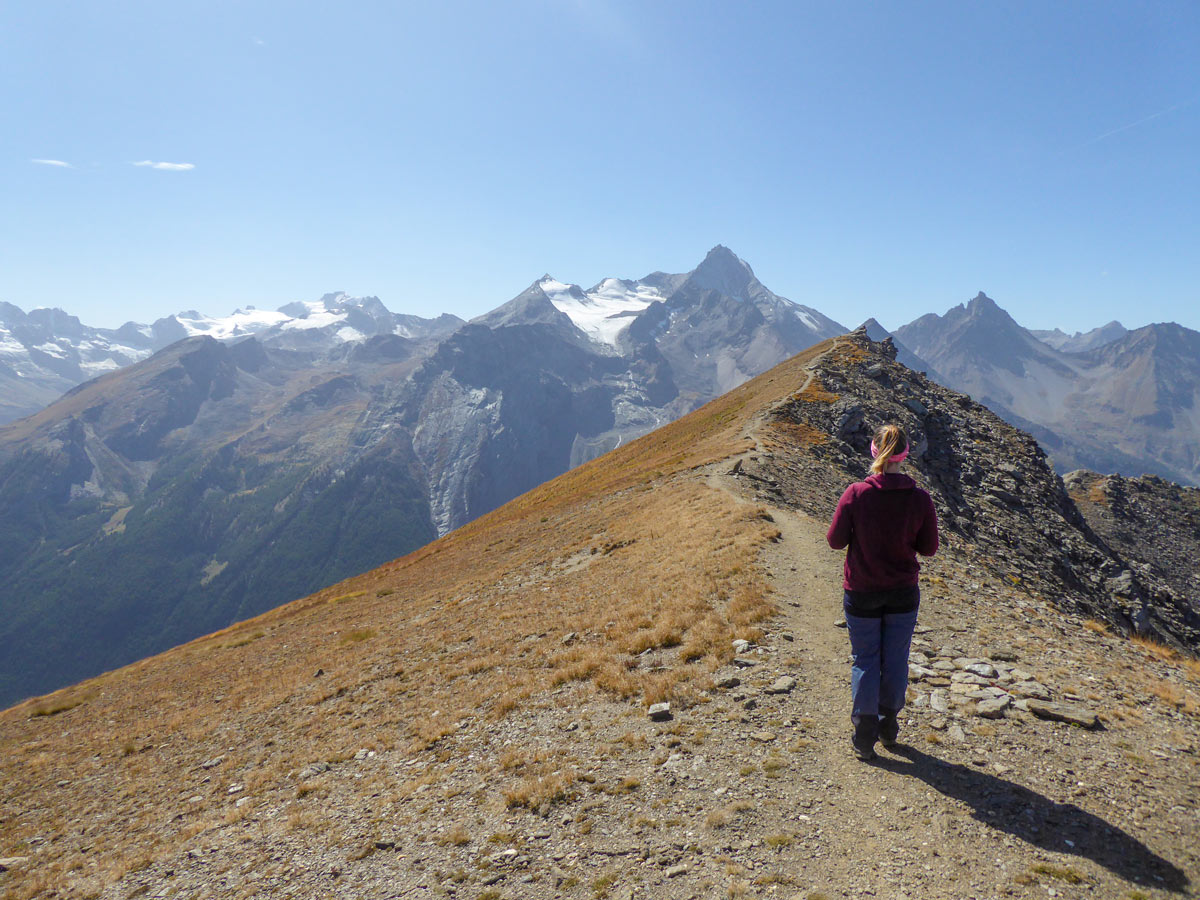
(886, 521)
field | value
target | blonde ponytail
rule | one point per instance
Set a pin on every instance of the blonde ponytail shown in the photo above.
(889, 441)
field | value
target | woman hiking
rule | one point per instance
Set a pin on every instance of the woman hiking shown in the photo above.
(884, 521)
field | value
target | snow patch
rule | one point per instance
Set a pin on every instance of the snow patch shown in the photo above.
(241, 322)
(10, 346)
(603, 312)
(99, 367)
(52, 350)
(318, 317)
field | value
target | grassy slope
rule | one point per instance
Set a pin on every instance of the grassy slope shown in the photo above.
(625, 551)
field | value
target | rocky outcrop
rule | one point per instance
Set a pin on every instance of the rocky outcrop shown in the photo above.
(993, 486)
(1152, 523)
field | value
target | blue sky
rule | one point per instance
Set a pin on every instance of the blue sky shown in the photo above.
(885, 159)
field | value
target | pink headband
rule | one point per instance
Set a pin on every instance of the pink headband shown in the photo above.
(895, 457)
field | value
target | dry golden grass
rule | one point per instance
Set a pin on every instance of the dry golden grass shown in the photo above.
(781, 434)
(628, 551)
(815, 392)
(1153, 647)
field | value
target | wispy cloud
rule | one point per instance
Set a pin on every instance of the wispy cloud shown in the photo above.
(166, 166)
(1142, 121)
(53, 162)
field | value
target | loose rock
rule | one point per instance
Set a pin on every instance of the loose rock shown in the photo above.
(1063, 712)
(783, 685)
(659, 712)
(993, 708)
(1031, 689)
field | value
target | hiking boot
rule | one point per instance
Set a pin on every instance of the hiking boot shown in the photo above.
(889, 731)
(866, 732)
(863, 753)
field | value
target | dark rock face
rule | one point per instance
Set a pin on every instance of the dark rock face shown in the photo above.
(1154, 524)
(495, 413)
(993, 487)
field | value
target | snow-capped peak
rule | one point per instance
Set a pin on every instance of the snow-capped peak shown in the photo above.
(604, 311)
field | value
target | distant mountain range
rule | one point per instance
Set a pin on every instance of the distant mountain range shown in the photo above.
(1128, 404)
(47, 352)
(218, 467)
(221, 477)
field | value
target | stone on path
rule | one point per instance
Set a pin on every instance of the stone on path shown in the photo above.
(1031, 689)
(1064, 712)
(680, 869)
(783, 685)
(764, 736)
(955, 733)
(729, 681)
(968, 678)
(659, 712)
(993, 708)
(939, 701)
(840, 623)
(743, 663)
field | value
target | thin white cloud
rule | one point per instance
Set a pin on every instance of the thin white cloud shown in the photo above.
(1141, 121)
(166, 166)
(53, 162)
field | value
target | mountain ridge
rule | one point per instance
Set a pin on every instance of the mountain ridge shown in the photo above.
(198, 480)
(474, 715)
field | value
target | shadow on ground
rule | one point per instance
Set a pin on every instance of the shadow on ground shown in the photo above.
(1037, 820)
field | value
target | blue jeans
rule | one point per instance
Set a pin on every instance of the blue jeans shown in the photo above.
(879, 678)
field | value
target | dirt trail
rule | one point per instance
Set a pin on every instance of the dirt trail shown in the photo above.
(875, 830)
(936, 818)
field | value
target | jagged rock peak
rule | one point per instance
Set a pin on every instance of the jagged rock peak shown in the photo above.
(723, 270)
(863, 337)
(981, 303)
(874, 330)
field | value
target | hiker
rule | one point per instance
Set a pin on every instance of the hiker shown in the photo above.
(884, 521)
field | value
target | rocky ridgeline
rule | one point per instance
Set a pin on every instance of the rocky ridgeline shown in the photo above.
(999, 502)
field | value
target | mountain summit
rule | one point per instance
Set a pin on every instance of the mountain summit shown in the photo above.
(722, 270)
